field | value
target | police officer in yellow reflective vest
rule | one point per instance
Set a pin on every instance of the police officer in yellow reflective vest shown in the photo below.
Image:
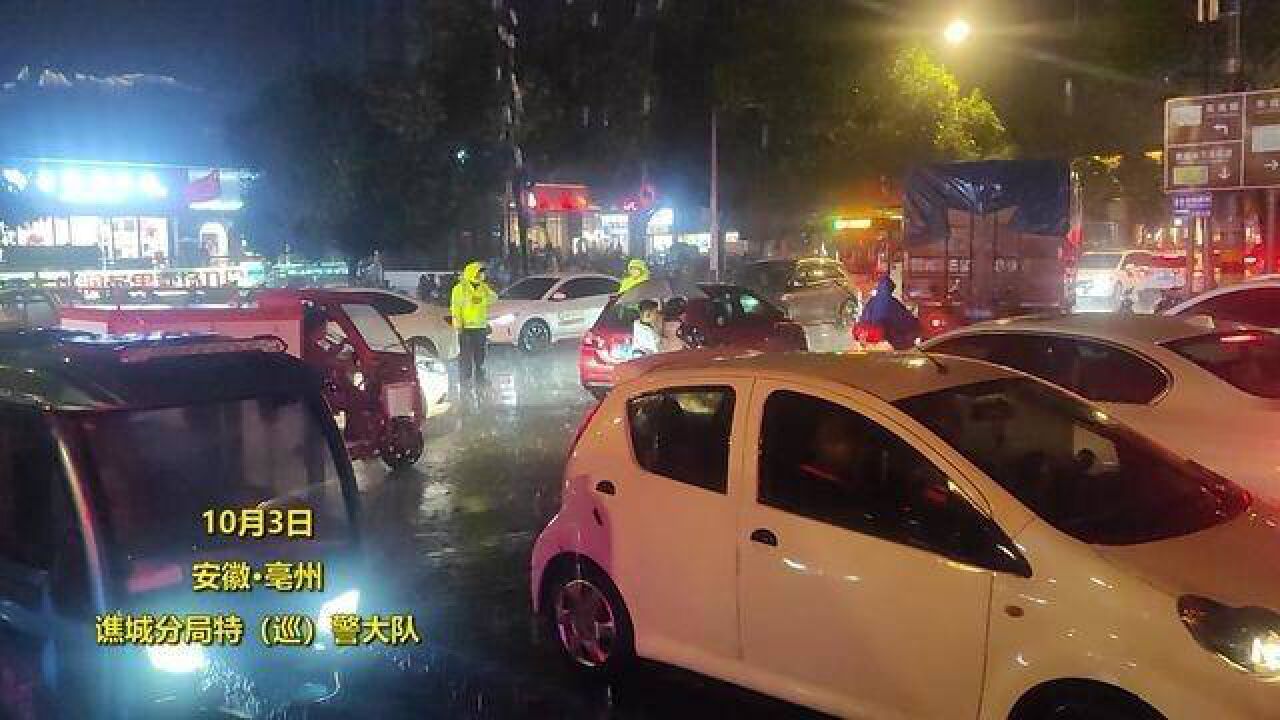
(637, 272)
(469, 306)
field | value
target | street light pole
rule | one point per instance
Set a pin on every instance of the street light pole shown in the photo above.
(717, 249)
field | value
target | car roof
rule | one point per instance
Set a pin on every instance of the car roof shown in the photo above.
(1114, 327)
(1262, 281)
(66, 370)
(566, 276)
(370, 291)
(888, 376)
(794, 261)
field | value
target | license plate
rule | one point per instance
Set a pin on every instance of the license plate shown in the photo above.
(398, 399)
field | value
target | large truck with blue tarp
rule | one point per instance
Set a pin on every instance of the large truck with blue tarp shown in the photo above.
(989, 239)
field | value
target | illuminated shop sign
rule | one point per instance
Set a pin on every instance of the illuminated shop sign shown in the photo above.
(90, 185)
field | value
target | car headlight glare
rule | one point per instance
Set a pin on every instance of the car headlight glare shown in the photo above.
(357, 379)
(1264, 653)
(505, 319)
(1247, 637)
(347, 603)
(177, 659)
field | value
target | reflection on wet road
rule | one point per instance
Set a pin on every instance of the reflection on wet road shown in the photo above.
(456, 531)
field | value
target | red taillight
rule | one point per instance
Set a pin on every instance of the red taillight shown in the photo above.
(1242, 338)
(582, 426)
(936, 322)
(868, 333)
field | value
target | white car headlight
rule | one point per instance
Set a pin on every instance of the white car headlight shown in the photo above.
(347, 603)
(505, 319)
(178, 659)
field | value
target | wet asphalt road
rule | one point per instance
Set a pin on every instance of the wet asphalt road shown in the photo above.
(455, 534)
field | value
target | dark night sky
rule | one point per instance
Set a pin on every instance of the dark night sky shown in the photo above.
(220, 45)
(221, 51)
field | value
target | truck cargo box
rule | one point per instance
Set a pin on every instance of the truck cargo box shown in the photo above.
(988, 239)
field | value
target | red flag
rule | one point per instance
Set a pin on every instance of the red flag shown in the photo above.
(204, 189)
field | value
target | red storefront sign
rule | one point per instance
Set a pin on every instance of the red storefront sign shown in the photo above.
(546, 197)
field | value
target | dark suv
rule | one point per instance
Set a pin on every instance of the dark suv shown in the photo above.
(728, 316)
(112, 451)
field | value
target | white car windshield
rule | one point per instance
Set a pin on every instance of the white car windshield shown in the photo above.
(374, 328)
(160, 469)
(1100, 261)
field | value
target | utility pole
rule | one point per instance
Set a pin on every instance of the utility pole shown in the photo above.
(1207, 13)
(717, 247)
(1231, 223)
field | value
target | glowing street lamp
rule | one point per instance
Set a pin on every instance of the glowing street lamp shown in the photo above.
(957, 32)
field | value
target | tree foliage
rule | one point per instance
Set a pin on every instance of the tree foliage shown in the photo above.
(817, 102)
(330, 176)
(913, 111)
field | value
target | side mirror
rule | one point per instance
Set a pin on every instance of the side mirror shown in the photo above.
(559, 296)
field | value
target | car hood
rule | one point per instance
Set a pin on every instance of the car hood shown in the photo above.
(1236, 563)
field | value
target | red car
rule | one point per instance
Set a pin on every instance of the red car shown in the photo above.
(730, 316)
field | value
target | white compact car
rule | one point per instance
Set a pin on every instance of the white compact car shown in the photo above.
(1256, 302)
(1209, 390)
(1104, 278)
(541, 309)
(908, 536)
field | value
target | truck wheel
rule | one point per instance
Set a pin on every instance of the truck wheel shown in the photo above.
(535, 336)
(403, 444)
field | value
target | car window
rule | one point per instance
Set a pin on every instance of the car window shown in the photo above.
(531, 288)
(588, 287)
(374, 328)
(1099, 261)
(825, 462)
(1255, 306)
(767, 276)
(389, 304)
(1094, 370)
(1137, 260)
(1249, 361)
(683, 434)
(160, 469)
(751, 306)
(1079, 471)
(816, 273)
(30, 308)
(27, 474)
